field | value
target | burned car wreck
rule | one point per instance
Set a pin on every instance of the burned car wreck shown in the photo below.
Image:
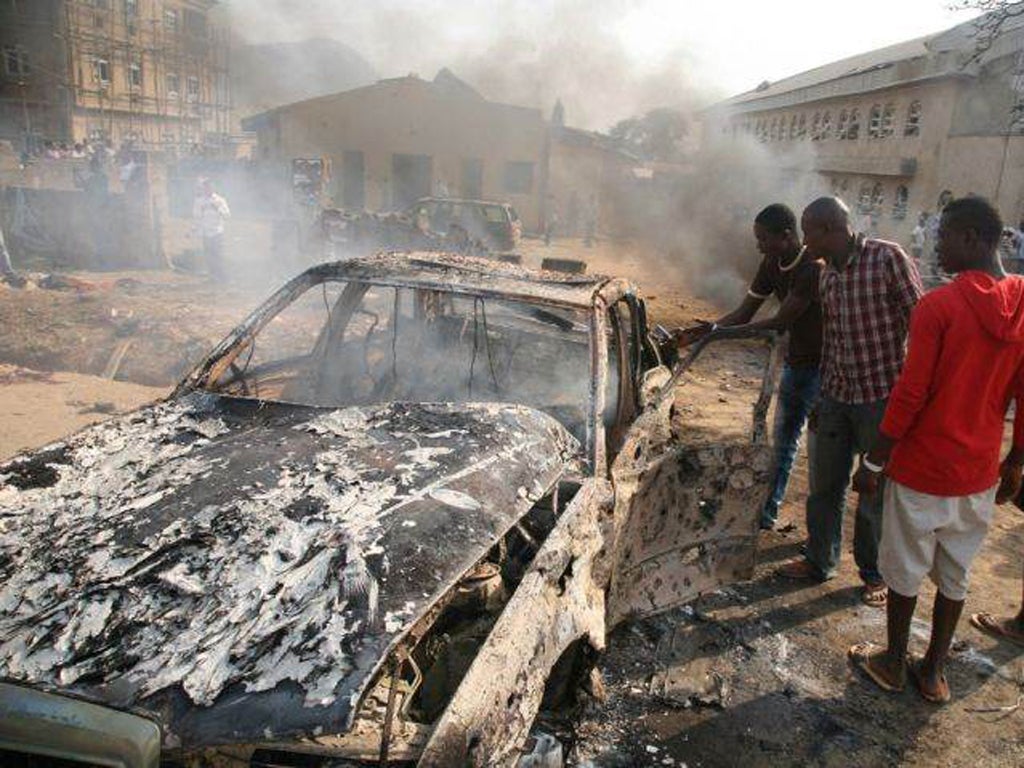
(365, 528)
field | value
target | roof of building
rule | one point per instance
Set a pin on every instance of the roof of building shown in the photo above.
(961, 39)
(444, 85)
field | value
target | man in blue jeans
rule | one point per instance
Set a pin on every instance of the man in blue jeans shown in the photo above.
(868, 289)
(792, 276)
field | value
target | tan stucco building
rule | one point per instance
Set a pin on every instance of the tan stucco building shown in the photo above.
(153, 72)
(400, 139)
(893, 130)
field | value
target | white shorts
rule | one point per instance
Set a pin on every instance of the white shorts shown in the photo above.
(932, 535)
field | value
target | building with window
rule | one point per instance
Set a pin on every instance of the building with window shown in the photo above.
(113, 70)
(894, 130)
(400, 139)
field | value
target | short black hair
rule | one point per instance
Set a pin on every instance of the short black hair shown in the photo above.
(777, 218)
(975, 213)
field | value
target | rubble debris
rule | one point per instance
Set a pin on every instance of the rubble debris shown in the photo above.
(542, 751)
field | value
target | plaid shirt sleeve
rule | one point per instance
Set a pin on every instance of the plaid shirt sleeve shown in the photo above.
(905, 288)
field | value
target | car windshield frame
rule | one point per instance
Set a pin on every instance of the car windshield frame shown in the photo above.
(206, 375)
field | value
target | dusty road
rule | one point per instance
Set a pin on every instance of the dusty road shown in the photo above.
(752, 675)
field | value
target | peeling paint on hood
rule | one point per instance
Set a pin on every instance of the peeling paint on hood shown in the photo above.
(235, 566)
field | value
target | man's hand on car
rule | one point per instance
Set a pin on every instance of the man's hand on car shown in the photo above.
(686, 336)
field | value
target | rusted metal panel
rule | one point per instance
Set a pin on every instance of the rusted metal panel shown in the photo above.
(692, 526)
(687, 515)
(561, 599)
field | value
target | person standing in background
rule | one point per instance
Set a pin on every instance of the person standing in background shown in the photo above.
(7, 272)
(210, 212)
(917, 238)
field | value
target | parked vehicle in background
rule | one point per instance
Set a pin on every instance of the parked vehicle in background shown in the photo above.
(495, 224)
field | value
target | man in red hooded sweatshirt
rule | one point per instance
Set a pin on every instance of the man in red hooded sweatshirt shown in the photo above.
(939, 443)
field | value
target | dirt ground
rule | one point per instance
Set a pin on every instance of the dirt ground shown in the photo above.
(755, 674)
(40, 407)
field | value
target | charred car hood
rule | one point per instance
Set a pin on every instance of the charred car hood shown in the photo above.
(239, 568)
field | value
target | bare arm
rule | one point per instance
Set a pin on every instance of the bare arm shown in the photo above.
(744, 313)
(792, 308)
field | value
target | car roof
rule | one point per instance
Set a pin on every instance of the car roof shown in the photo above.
(467, 274)
(463, 200)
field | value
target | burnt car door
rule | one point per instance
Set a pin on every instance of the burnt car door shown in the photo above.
(686, 510)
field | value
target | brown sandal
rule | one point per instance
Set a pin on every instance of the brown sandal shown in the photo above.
(875, 595)
(860, 656)
(914, 670)
(995, 627)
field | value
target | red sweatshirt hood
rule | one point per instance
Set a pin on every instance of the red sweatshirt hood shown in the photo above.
(998, 304)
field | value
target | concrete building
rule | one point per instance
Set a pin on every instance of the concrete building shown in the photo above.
(400, 139)
(894, 130)
(153, 72)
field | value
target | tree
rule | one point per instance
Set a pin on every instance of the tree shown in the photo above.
(996, 14)
(654, 136)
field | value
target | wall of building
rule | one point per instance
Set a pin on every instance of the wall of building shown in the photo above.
(409, 116)
(35, 101)
(890, 176)
(992, 166)
(891, 172)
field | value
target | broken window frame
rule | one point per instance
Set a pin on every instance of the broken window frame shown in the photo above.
(912, 125)
(135, 73)
(101, 71)
(864, 198)
(826, 126)
(172, 82)
(844, 117)
(209, 376)
(816, 127)
(16, 62)
(875, 122)
(877, 198)
(887, 127)
(853, 126)
(192, 89)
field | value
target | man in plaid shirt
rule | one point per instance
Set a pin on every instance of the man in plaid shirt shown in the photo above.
(868, 289)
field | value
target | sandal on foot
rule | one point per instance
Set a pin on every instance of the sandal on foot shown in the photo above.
(942, 696)
(860, 656)
(800, 570)
(995, 627)
(875, 595)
